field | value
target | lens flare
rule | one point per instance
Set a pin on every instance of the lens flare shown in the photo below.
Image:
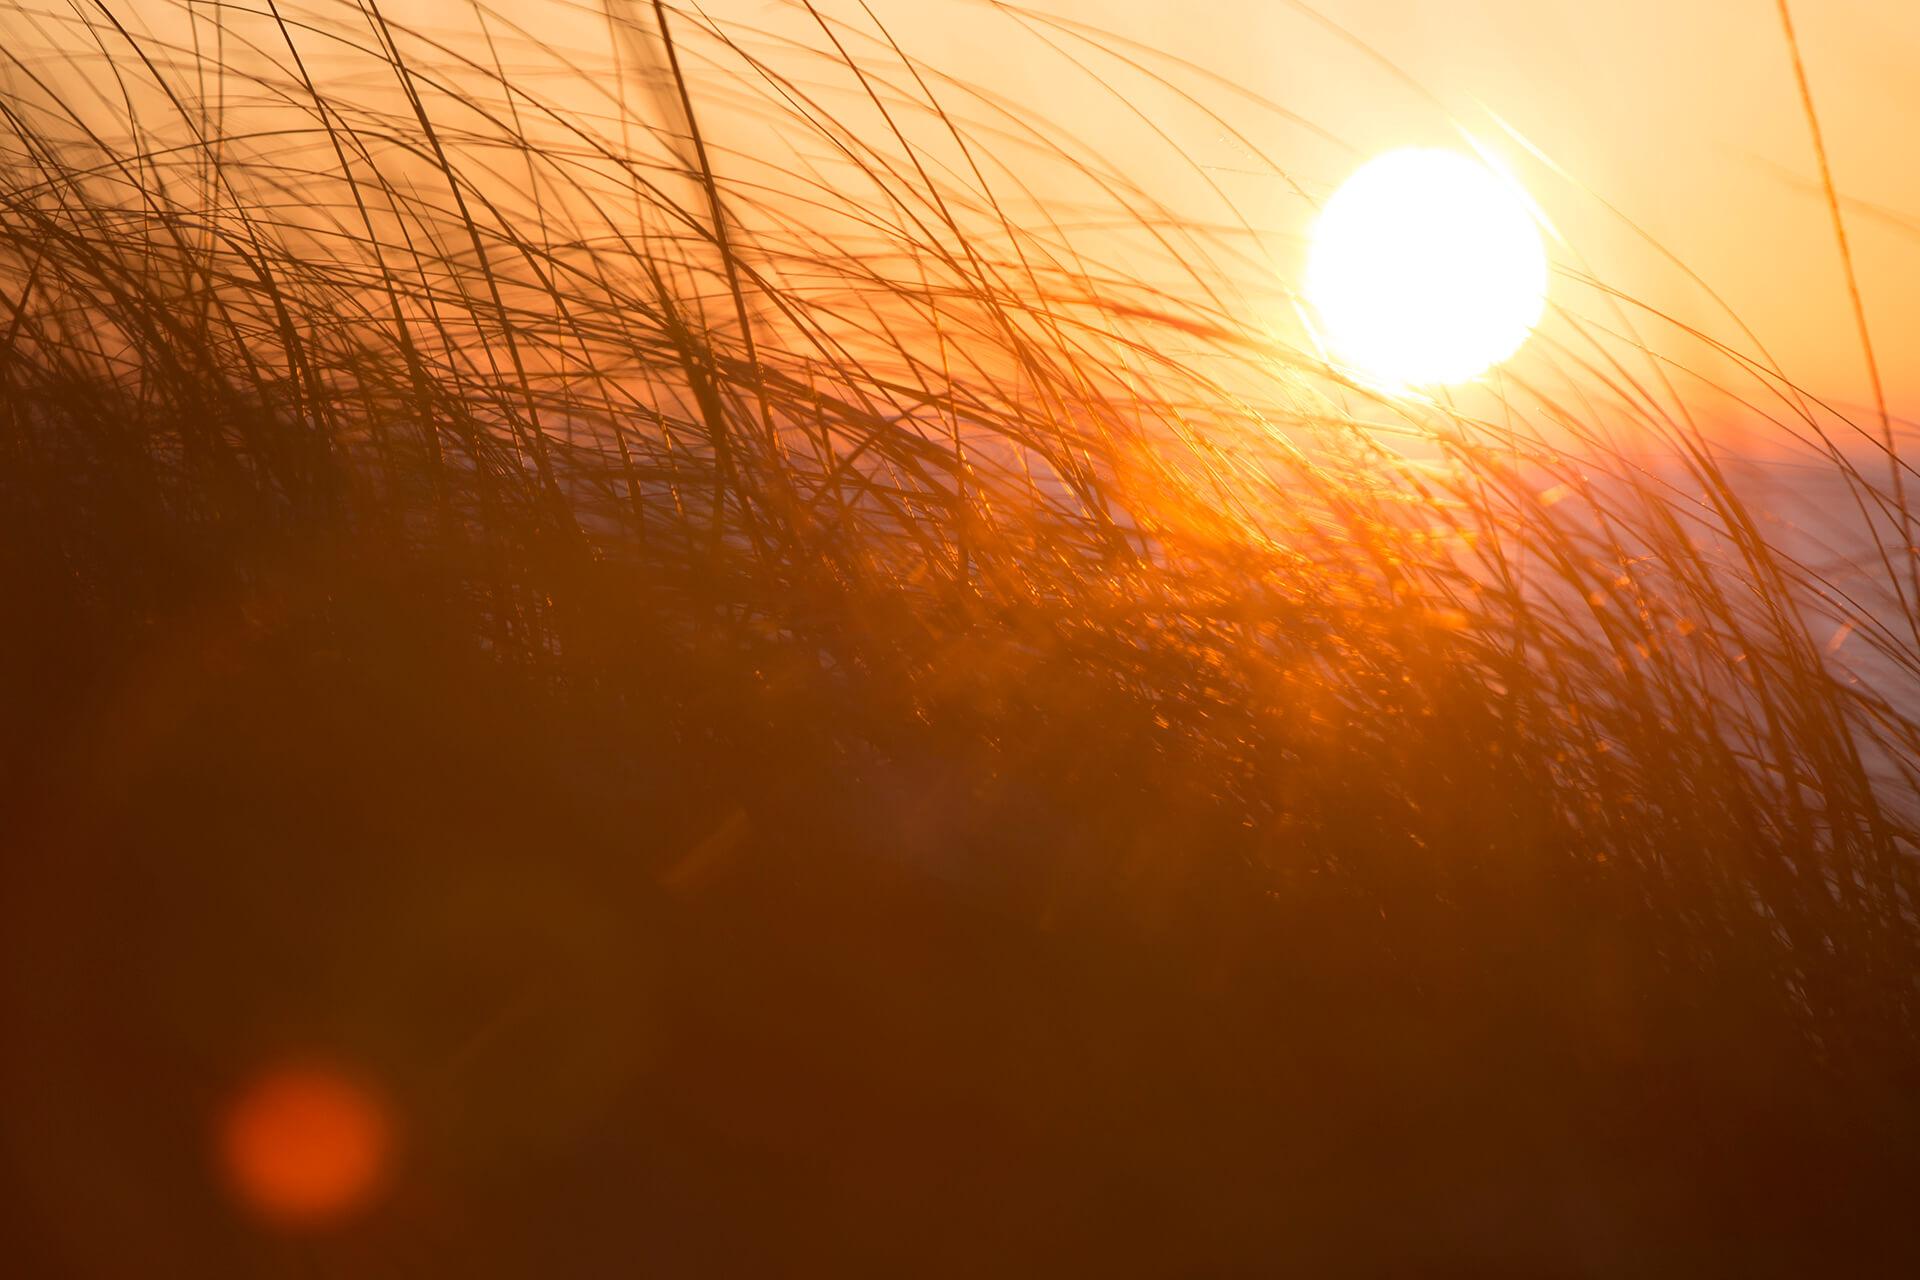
(304, 1146)
(1426, 268)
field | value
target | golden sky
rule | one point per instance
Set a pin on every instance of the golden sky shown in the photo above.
(1682, 115)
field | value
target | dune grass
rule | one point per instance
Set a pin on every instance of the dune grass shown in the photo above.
(837, 503)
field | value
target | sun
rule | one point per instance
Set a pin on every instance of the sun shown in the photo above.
(1426, 268)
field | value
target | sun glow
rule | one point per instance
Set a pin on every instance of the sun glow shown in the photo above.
(1426, 268)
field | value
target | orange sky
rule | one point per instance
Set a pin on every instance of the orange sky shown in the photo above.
(1685, 116)
(1681, 113)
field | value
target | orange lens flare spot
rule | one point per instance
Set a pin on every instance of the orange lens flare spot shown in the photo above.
(305, 1146)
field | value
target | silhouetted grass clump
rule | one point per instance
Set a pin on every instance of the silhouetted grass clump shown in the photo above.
(811, 705)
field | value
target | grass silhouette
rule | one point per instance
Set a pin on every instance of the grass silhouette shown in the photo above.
(811, 706)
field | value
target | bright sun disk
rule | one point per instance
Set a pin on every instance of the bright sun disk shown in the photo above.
(1426, 268)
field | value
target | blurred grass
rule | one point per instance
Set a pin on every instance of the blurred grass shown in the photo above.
(834, 539)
